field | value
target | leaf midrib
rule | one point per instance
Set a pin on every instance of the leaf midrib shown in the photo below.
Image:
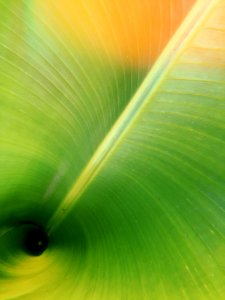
(135, 106)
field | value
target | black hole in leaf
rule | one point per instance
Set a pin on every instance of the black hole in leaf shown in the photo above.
(35, 240)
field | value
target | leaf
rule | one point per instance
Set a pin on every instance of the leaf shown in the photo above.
(132, 192)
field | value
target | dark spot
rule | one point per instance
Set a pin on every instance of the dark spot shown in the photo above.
(35, 240)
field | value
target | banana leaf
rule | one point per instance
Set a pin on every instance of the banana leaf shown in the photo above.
(112, 139)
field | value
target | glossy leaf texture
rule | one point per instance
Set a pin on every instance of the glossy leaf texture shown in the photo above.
(124, 167)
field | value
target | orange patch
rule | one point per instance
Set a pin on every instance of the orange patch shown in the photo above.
(134, 31)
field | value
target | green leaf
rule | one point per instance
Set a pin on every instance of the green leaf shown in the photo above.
(132, 192)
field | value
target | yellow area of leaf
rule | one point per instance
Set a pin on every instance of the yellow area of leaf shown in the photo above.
(131, 30)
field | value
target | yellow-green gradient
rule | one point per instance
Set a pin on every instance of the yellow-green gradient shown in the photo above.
(123, 166)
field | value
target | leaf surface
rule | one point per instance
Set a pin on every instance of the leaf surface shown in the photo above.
(128, 176)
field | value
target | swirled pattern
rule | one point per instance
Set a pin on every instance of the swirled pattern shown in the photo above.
(115, 146)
